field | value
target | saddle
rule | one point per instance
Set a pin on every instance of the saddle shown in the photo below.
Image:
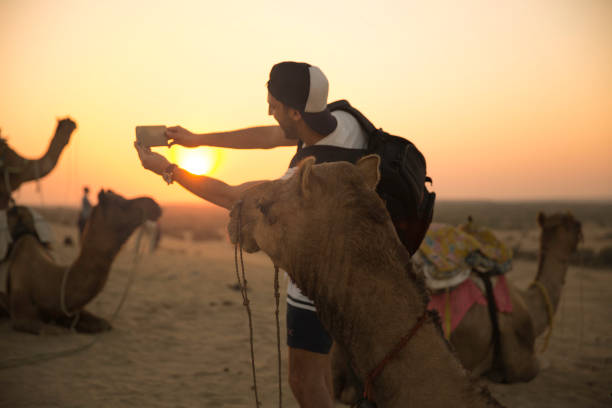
(462, 266)
(449, 255)
(15, 222)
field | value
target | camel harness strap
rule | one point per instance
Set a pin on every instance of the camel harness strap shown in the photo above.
(549, 309)
(367, 392)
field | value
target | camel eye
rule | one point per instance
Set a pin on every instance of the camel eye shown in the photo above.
(264, 208)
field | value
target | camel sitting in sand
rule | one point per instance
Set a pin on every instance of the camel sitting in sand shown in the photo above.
(40, 291)
(532, 311)
(329, 230)
(17, 170)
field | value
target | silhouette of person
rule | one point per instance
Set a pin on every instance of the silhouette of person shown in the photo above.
(85, 211)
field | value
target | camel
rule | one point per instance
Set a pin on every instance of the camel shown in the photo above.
(17, 170)
(530, 317)
(330, 231)
(40, 291)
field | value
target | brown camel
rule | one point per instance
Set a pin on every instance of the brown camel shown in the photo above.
(329, 230)
(533, 309)
(36, 283)
(17, 170)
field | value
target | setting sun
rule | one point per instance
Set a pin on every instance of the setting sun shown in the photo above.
(201, 160)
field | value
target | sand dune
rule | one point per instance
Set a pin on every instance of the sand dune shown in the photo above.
(181, 339)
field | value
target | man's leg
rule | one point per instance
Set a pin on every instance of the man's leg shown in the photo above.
(309, 344)
(310, 378)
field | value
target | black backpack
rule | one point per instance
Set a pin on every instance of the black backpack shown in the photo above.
(403, 176)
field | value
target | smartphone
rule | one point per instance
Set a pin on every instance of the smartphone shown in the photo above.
(149, 136)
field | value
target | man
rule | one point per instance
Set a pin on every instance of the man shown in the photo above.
(85, 212)
(297, 98)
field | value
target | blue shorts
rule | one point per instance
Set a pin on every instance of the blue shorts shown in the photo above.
(304, 331)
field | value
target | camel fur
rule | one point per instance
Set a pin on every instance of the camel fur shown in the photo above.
(35, 281)
(329, 230)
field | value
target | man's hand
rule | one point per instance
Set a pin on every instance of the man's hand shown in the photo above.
(151, 160)
(181, 136)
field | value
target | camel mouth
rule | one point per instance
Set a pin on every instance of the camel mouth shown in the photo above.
(157, 213)
(152, 210)
(236, 230)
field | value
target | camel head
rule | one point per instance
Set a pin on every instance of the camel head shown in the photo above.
(301, 214)
(16, 170)
(560, 231)
(115, 218)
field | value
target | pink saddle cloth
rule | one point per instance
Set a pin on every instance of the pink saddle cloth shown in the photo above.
(463, 297)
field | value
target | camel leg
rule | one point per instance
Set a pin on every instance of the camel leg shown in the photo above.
(87, 323)
(518, 348)
(24, 315)
(347, 387)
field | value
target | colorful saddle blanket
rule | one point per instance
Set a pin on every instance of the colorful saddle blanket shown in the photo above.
(447, 257)
(448, 254)
(452, 305)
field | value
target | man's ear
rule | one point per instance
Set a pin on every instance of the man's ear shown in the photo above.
(294, 114)
(304, 169)
(368, 166)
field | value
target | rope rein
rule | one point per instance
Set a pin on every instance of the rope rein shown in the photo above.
(367, 392)
(277, 297)
(242, 283)
(549, 309)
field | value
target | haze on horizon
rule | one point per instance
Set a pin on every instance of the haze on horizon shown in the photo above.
(507, 100)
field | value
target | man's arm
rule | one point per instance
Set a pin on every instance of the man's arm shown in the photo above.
(211, 189)
(208, 188)
(258, 137)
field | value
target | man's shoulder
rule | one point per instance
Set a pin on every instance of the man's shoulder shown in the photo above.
(348, 133)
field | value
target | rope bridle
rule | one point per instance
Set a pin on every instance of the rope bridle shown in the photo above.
(367, 391)
(549, 310)
(242, 283)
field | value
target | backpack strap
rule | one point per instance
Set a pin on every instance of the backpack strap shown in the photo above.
(325, 154)
(344, 105)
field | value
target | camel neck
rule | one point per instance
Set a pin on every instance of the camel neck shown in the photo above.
(552, 270)
(368, 307)
(87, 276)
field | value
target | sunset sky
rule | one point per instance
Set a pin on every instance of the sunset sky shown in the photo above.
(506, 99)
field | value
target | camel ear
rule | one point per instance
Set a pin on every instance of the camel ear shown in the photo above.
(304, 169)
(368, 166)
(541, 219)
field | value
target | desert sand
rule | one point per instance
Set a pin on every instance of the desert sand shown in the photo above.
(181, 338)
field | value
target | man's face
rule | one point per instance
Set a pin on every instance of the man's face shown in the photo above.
(281, 114)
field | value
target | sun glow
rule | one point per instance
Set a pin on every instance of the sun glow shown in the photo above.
(201, 160)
